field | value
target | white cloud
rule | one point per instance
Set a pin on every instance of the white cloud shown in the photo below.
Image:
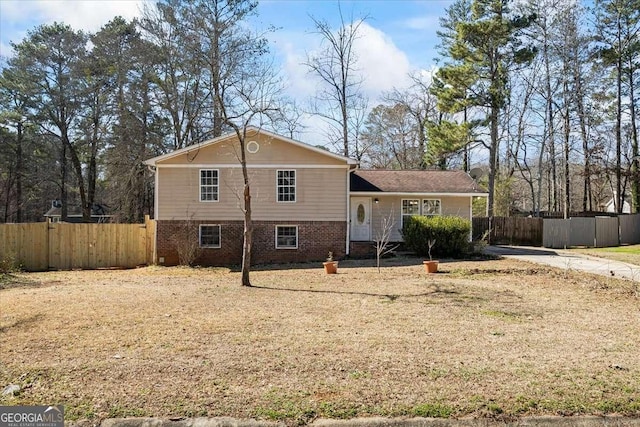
(300, 83)
(382, 64)
(5, 50)
(427, 22)
(79, 14)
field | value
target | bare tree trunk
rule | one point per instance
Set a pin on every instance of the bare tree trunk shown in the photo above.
(567, 118)
(64, 209)
(7, 199)
(619, 196)
(344, 112)
(567, 177)
(465, 161)
(19, 172)
(587, 203)
(248, 222)
(92, 170)
(635, 152)
(248, 229)
(218, 120)
(550, 128)
(493, 159)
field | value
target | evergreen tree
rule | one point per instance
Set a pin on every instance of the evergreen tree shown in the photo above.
(50, 61)
(482, 53)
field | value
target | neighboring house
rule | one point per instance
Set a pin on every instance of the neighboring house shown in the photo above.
(611, 207)
(74, 213)
(306, 201)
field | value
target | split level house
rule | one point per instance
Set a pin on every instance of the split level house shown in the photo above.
(306, 201)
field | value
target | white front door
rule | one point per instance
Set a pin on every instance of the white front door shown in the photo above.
(361, 219)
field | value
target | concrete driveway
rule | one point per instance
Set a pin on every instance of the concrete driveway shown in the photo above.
(568, 260)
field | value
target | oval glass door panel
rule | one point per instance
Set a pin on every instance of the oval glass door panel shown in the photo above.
(360, 213)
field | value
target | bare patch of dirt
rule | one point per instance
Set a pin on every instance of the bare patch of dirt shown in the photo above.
(496, 338)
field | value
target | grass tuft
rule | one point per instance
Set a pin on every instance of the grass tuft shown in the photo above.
(432, 410)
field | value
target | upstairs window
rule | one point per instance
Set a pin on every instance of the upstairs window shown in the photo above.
(286, 185)
(209, 185)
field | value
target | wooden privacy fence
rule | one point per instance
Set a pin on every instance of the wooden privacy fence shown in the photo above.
(509, 230)
(63, 246)
(594, 232)
(561, 233)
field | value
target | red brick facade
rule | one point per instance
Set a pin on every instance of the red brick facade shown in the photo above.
(315, 240)
(362, 249)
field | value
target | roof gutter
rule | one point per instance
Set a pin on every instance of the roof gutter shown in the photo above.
(421, 194)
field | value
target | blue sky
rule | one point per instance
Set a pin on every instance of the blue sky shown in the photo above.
(398, 37)
(395, 27)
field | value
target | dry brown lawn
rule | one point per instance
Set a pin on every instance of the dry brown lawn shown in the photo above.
(485, 338)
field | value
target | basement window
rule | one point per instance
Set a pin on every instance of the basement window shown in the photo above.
(286, 237)
(209, 235)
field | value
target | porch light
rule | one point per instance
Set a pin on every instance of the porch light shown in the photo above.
(376, 200)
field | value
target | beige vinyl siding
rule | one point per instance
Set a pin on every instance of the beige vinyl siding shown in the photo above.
(450, 205)
(456, 206)
(272, 151)
(320, 195)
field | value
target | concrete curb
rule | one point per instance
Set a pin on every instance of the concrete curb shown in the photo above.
(548, 421)
(583, 421)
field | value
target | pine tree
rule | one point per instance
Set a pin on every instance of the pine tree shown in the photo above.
(482, 53)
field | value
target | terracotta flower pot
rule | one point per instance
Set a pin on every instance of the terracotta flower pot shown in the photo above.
(330, 267)
(430, 266)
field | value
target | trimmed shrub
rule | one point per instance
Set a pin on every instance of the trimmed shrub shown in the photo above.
(451, 235)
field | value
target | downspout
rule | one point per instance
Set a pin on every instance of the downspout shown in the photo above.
(471, 217)
(348, 218)
(155, 171)
(155, 212)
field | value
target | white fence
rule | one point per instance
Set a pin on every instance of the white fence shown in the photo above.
(595, 232)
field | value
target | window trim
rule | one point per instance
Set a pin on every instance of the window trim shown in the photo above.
(295, 186)
(216, 186)
(276, 236)
(219, 236)
(435, 214)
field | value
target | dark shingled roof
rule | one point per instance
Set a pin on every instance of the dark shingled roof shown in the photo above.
(413, 181)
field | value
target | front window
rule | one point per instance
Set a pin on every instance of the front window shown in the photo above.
(286, 237)
(209, 185)
(410, 207)
(286, 186)
(209, 236)
(431, 207)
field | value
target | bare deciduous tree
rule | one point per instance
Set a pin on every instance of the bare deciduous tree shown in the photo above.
(255, 102)
(383, 237)
(339, 99)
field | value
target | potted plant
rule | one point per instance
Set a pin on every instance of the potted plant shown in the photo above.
(330, 266)
(431, 266)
